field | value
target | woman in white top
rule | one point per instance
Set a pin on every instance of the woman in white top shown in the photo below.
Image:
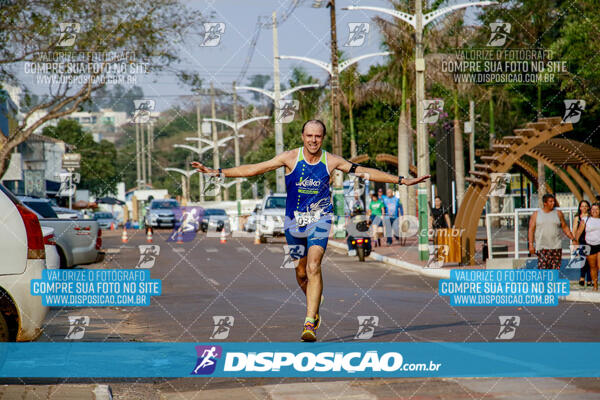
(592, 238)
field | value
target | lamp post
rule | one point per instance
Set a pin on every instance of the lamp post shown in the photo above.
(187, 175)
(236, 126)
(418, 21)
(334, 69)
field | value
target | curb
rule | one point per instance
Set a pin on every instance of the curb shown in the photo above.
(586, 297)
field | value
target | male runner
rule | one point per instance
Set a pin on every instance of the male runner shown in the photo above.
(309, 210)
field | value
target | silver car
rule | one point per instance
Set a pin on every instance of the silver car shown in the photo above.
(162, 213)
(272, 216)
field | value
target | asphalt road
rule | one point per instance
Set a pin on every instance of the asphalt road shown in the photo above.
(204, 278)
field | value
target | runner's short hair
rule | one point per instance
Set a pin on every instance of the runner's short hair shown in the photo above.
(315, 121)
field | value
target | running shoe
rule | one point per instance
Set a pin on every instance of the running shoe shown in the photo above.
(317, 321)
(309, 334)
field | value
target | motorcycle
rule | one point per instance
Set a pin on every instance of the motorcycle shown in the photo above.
(359, 241)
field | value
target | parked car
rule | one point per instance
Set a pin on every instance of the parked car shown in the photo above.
(272, 216)
(78, 241)
(105, 219)
(215, 219)
(162, 213)
(52, 257)
(23, 259)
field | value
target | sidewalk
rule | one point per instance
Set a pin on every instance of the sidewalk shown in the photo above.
(407, 258)
(56, 392)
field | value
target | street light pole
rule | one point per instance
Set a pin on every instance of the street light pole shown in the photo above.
(199, 128)
(279, 179)
(215, 136)
(418, 22)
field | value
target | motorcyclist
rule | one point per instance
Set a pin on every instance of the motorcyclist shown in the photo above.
(358, 224)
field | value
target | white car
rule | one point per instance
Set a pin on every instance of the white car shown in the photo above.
(52, 257)
(23, 259)
(272, 216)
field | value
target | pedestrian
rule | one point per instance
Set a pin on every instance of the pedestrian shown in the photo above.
(393, 209)
(309, 209)
(376, 210)
(583, 213)
(544, 236)
(439, 219)
(591, 226)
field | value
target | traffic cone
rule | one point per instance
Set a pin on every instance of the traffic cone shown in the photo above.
(179, 237)
(124, 235)
(256, 237)
(149, 235)
(223, 236)
(112, 226)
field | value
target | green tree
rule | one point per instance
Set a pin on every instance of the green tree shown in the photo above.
(98, 160)
(112, 33)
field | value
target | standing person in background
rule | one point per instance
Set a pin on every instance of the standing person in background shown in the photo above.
(376, 209)
(583, 213)
(592, 237)
(439, 219)
(544, 228)
(393, 209)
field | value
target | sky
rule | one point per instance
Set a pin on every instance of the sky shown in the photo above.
(305, 32)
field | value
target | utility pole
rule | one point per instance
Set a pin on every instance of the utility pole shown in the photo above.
(150, 149)
(138, 169)
(336, 120)
(199, 128)
(215, 136)
(472, 135)
(143, 154)
(280, 178)
(424, 188)
(459, 156)
(236, 146)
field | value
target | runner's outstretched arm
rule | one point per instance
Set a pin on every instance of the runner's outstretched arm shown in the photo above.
(279, 160)
(372, 173)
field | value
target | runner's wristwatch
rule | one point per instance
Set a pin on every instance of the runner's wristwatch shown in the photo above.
(400, 180)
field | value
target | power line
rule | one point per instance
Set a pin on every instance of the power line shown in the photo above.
(264, 25)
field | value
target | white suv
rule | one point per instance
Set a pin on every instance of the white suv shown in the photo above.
(23, 259)
(272, 216)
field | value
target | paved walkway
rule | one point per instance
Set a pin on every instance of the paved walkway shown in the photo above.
(55, 392)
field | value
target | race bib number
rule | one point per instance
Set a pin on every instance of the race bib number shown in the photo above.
(305, 218)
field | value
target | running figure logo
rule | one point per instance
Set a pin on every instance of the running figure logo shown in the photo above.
(223, 324)
(143, 108)
(287, 110)
(366, 326)
(437, 255)
(432, 110)
(500, 31)
(291, 253)
(213, 184)
(499, 183)
(573, 110)
(207, 359)
(508, 327)
(148, 254)
(358, 33)
(77, 326)
(579, 252)
(212, 33)
(68, 33)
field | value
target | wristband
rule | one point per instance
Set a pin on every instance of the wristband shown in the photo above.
(400, 180)
(353, 168)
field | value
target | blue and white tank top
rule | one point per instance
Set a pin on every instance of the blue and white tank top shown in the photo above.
(308, 193)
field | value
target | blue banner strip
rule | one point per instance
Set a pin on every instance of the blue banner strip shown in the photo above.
(232, 359)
